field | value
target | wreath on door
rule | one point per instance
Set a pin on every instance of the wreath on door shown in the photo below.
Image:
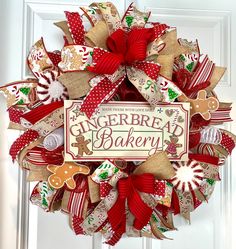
(120, 59)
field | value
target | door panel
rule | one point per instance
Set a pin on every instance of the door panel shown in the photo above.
(213, 23)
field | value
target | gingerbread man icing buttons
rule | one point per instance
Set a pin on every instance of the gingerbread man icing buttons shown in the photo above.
(65, 173)
(202, 104)
(82, 146)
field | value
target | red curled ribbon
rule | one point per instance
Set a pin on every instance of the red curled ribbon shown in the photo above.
(128, 189)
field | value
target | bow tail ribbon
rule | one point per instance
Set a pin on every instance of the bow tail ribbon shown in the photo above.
(101, 92)
(128, 189)
(145, 80)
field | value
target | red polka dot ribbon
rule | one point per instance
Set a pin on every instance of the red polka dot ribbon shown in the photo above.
(159, 188)
(21, 142)
(98, 94)
(55, 57)
(15, 114)
(76, 27)
(149, 68)
(105, 189)
(160, 29)
(76, 225)
(227, 142)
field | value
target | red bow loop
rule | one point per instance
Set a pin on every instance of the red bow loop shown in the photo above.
(137, 42)
(128, 188)
(105, 62)
(144, 183)
(136, 52)
(141, 34)
(124, 187)
(126, 48)
(116, 42)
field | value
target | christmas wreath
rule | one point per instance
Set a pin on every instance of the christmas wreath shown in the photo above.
(121, 62)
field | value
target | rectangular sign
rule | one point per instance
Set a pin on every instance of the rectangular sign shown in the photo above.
(126, 130)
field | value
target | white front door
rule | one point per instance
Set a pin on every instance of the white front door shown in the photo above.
(23, 226)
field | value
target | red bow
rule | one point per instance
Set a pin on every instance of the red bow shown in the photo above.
(126, 48)
(128, 53)
(128, 189)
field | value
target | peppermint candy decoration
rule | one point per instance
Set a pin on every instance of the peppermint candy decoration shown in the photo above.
(49, 89)
(189, 175)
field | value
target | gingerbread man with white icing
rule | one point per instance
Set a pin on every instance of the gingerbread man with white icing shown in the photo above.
(201, 105)
(65, 173)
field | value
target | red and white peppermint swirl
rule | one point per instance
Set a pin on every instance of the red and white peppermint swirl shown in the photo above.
(49, 89)
(189, 175)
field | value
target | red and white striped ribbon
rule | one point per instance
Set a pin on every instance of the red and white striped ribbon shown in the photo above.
(221, 115)
(34, 156)
(205, 149)
(76, 201)
(202, 73)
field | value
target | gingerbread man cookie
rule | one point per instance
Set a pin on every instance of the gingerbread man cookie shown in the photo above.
(82, 146)
(201, 105)
(65, 173)
(172, 145)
